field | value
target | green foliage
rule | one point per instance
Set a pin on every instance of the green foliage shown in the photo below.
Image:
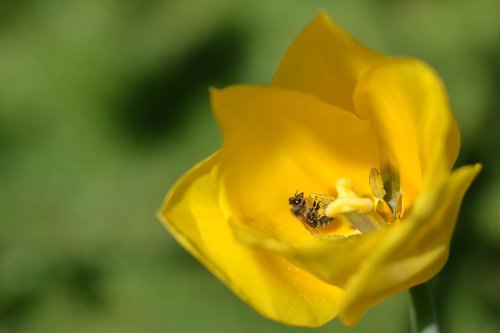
(103, 104)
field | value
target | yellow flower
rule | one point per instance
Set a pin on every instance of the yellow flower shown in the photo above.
(360, 146)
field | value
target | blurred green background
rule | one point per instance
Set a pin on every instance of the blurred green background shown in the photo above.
(104, 104)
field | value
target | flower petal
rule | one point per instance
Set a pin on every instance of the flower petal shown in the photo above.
(406, 102)
(412, 253)
(279, 141)
(379, 265)
(268, 282)
(325, 61)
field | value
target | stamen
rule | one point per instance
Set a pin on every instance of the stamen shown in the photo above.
(366, 223)
(389, 203)
(398, 207)
(376, 184)
(384, 210)
(393, 196)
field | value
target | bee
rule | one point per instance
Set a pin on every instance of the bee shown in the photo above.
(311, 217)
(298, 204)
(316, 219)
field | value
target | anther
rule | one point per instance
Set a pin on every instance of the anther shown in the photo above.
(376, 184)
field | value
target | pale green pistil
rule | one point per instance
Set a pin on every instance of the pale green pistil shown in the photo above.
(359, 211)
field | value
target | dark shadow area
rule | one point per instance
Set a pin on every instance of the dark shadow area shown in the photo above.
(9, 9)
(15, 307)
(157, 105)
(78, 280)
(5, 152)
(82, 281)
(18, 299)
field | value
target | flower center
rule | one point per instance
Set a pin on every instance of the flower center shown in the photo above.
(349, 214)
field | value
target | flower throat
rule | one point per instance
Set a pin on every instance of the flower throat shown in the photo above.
(363, 214)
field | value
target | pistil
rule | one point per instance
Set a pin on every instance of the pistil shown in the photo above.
(359, 211)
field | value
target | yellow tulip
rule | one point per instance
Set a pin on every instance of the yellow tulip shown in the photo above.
(367, 141)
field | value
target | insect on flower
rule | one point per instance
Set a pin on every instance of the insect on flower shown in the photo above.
(311, 217)
(298, 204)
(379, 148)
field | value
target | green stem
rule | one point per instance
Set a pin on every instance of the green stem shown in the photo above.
(423, 311)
